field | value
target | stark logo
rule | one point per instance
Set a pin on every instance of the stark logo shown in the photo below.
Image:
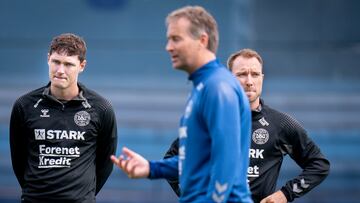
(82, 118)
(44, 113)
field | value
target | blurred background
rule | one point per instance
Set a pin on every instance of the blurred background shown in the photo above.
(311, 50)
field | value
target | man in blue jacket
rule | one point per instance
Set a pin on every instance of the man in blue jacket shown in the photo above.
(214, 132)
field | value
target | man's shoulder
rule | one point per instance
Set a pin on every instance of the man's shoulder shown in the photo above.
(95, 99)
(31, 95)
(272, 112)
(282, 118)
(221, 78)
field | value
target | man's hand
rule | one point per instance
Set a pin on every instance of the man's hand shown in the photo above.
(132, 163)
(277, 197)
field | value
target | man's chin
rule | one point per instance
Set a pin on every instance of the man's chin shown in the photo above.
(250, 95)
(253, 99)
(176, 65)
(58, 85)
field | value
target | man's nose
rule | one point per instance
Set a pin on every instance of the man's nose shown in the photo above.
(169, 47)
(60, 68)
(249, 80)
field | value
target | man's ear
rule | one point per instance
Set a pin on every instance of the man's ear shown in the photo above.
(204, 39)
(48, 59)
(82, 65)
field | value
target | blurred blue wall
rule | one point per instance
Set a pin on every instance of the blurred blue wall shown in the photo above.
(311, 51)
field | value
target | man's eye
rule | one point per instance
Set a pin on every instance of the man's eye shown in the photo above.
(255, 75)
(176, 39)
(68, 64)
(241, 74)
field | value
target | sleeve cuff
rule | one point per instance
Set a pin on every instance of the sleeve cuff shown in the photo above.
(152, 170)
(287, 194)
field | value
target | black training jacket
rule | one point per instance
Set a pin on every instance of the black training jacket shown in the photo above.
(60, 151)
(274, 135)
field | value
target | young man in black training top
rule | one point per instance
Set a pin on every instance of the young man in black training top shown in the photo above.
(62, 134)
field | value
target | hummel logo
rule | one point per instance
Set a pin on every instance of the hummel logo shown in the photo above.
(296, 189)
(218, 198)
(218, 195)
(303, 185)
(263, 122)
(44, 113)
(220, 188)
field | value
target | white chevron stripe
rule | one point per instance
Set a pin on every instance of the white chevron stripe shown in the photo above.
(217, 199)
(303, 185)
(296, 189)
(220, 188)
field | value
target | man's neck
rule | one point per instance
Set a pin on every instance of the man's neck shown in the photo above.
(255, 106)
(204, 58)
(64, 94)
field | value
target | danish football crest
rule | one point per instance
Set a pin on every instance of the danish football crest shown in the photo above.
(260, 136)
(82, 118)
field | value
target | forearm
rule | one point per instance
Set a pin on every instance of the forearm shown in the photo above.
(312, 175)
(165, 168)
(18, 164)
(171, 152)
(18, 146)
(104, 165)
(102, 174)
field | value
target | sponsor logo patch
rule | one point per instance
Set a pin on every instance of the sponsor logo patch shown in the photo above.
(42, 134)
(57, 157)
(39, 134)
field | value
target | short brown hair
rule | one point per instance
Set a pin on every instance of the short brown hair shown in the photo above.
(246, 53)
(69, 44)
(200, 21)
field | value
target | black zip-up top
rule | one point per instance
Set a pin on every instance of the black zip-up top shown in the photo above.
(274, 135)
(60, 150)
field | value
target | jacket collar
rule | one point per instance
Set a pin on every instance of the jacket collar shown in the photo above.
(80, 97)
(259, 111)
(204, 71)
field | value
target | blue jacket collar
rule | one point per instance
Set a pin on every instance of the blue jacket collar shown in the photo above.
(204, 71)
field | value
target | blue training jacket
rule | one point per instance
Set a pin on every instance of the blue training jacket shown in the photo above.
(214, 135)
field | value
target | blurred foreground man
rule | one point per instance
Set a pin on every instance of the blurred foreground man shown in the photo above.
(214, 131)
